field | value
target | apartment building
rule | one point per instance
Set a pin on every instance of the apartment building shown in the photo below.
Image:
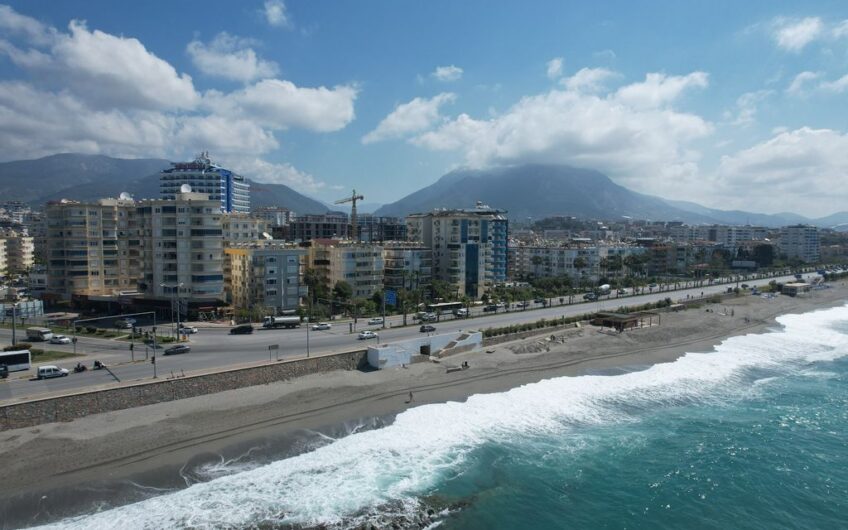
(20, 250)
(231, 191)
(274, 215)
(243, 228)
(800, 242)
(469, 246)
(179, 245)
(87, 248)
(407, 266)
(580, 263)
(266, 275)
(361, 265)
(3, 266)
(323, 226)
(377, 229)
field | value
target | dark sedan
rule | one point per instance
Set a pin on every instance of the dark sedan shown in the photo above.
(427, 328)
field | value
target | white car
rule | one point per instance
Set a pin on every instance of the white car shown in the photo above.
(50, 371)
(187, 330)
(321, 326)
(59, 339)
(367, 334)
(375, 321)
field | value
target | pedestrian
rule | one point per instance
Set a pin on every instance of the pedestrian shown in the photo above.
(410, 398)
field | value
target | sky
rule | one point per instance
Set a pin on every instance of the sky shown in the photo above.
(733, 105)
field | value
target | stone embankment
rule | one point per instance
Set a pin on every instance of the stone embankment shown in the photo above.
(72, 406)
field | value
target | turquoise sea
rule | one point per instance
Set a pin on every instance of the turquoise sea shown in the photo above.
(751, 435)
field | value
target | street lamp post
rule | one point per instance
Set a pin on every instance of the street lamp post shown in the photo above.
(14, 317)
(175, 300)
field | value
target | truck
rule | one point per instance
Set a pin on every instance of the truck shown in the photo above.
(281, 322)
(38, 334)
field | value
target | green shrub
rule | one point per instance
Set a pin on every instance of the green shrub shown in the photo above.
(19, 346)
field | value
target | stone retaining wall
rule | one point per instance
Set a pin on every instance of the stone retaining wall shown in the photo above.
(69, 407)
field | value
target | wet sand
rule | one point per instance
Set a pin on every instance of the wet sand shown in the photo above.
(98, 457)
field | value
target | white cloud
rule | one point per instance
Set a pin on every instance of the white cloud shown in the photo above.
(660, 89)
(794, 34)
(276, 14)
(415, 116)
(554, 68)
(839, 86)
(631, 134)
(747, 105)
(280, 104)
(588, 79)
(229, 57)
(841, 30)
(447, 73)
(29, 28)
(106, 70)
(806, 166)
(261, 170)
(800, 82)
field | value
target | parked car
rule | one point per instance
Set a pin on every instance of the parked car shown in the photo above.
(374, 321)
(427, 328)
(321, 326)
(427, 317)
(521, 305)
(124, 323)
(179, 348)
(501, 305)
(367, 334)
(243, 329)
(59, 339)
(49, 371)
(590, 297)
(187, 330)
(460, 313)
(490, 308)
(539, 300)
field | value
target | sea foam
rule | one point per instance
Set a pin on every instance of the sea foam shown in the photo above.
(397, 464)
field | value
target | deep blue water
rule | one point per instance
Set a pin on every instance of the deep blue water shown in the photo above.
(751, 435)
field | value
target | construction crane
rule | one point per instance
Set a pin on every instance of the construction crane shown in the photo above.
(352, 200)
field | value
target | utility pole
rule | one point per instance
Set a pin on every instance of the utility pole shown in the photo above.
(14, 315)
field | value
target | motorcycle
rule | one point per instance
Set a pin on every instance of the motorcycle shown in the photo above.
(80, 368)
(98, 365)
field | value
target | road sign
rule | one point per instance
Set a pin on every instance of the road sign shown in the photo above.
(391, 297)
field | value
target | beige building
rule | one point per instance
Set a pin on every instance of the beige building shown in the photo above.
(3, 268)
(358, 264)
(20, 251)
(87, 249)
(265, 275)
(407, 266)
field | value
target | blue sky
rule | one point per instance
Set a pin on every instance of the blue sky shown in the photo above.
(729, 104)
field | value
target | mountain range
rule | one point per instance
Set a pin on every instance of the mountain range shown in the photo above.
(530, 191)
(91, 177)
(536, 191)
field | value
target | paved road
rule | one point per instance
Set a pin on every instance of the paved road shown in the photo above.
(214, 348)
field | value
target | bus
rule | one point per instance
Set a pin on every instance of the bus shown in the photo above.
(445, 308)
(16, 361)
(39, 334)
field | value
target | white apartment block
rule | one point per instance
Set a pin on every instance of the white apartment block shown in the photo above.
(20, 251)
(180, 247)
(359, 264)
(548, 261)
(87, 248)
(243, 228)
(800, 241)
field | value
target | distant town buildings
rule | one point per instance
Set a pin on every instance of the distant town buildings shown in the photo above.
(203, 176)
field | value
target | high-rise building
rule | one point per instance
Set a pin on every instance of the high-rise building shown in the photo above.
(334, 225)
(377, 229)
(407, 266)
(180, 247)
(266, 275)
(88, 248)
(203, 176)
(469, 246)
(801, 242)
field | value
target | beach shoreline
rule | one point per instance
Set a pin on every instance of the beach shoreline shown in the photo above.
(152, 442)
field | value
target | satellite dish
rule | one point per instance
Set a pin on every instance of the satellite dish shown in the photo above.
(185, 188)
(124, 196)
(267, 236)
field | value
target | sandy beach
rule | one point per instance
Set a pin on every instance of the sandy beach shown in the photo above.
(150, 444)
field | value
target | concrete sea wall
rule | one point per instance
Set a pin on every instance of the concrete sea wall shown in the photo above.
(69, 407)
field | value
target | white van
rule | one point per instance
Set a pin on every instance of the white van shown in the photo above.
(49, 371)
(461, 313)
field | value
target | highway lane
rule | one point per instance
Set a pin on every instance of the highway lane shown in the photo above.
(214, 348)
